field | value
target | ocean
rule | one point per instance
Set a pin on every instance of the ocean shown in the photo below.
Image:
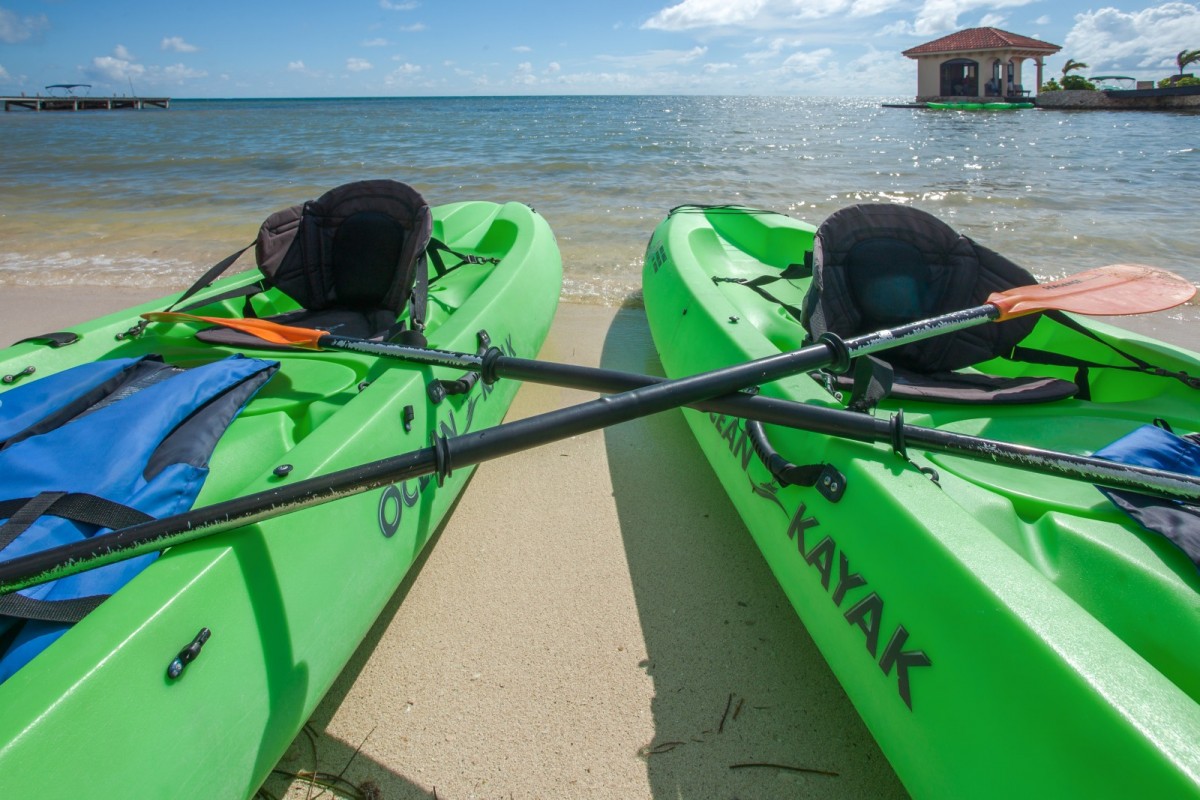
(151, 198)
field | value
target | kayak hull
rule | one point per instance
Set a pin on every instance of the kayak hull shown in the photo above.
(1001, 634)
(289, 599)
(990, 106)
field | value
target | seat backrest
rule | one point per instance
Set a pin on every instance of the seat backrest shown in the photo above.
(358, 246)
(876, 266)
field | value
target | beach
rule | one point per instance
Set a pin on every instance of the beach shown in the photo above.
(593, 621)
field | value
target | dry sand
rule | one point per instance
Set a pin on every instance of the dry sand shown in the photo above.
(594, 621)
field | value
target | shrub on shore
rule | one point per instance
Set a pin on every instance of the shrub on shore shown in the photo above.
(1077, 83)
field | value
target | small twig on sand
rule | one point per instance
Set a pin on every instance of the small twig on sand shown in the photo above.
(728, 704)
(662, 747)
(807, 770)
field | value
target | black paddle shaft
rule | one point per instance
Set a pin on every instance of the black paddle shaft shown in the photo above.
(440, 458)
(827, 421)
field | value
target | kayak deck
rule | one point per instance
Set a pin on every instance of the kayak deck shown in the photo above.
(1000, 632)
(287, 600)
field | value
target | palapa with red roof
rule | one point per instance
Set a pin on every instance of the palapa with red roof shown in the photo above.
(956, 65)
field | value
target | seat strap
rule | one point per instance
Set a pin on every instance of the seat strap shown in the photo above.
(1034, 356)
(791, 272)
(205, 280)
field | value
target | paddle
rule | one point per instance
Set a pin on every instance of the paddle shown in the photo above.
(1112, 290)
(1116, 289)
(473, 448)
(440, 458)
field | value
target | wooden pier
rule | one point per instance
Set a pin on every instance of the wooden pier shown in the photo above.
(72, 103)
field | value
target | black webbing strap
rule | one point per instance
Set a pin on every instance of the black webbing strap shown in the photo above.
(75, 506)
(792, 272)
(435, 249)
(1081, 366)
(419, 300)
(210, 275)
(67, 611)
(78, 507)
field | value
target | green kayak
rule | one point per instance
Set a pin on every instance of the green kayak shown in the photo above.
(990, 106)
(1003, 633)
(132, 701)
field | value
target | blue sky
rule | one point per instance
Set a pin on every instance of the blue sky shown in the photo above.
(306, 48)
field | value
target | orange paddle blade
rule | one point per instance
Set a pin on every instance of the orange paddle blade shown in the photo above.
(271, 332)
(1104, 291)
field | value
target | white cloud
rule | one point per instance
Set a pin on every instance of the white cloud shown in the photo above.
(123, 53)
(1149, 38)
(772, 50)
(179, 72)
(941, 16)
(655, 59)
(295, 66)
(402, 74)
(705, 14)
(377, 42)
(713, 69)
(403, 6)
(806, 63)
(553, 68)
(357, 64)
(524, 74)
(14, 29)
(4, 76)
(522, 48)
(728, 16)
(416, 27)
(178, 45)
(869, 8)
(115, 69)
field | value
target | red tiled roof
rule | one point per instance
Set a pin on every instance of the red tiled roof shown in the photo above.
(981, 39)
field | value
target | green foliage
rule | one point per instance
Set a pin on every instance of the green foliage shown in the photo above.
(1190, 80)
(1050, 86)
(1070, 66)
(1186, 57)
(1078, 82)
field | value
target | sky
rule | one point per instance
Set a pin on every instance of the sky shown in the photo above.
(351, 48)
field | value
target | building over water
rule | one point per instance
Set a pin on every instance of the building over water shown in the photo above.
(979, 62)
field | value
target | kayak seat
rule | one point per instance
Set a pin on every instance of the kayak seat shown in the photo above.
(354, 260)
(877, 266)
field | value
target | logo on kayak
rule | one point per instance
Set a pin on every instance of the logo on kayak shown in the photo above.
(864, 611)
(396, 498)
(656, 256)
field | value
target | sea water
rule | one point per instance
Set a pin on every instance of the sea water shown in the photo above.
(150, 198)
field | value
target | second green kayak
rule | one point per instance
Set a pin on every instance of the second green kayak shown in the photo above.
(1002, 633)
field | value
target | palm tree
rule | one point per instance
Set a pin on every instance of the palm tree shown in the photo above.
(1186, 57)
(1072, 64)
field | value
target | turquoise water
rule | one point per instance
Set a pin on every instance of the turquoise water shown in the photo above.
(151, 198)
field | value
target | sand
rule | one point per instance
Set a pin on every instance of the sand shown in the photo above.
(593, 621)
